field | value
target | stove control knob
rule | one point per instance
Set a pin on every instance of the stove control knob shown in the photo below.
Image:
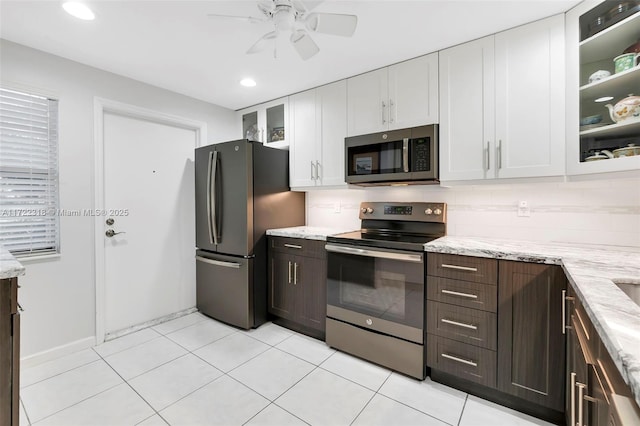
(369, 210)
(437, 212)
(363, 210)
(428, 211)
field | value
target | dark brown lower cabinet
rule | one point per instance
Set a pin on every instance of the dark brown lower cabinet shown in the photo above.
(297, 284)
(531, 332)
(9, 352)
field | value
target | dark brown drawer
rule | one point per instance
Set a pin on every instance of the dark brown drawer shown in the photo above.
(462, 360)
(466, 268)
(463, 293)
(465, 325)
(585, 328)
(298, 246)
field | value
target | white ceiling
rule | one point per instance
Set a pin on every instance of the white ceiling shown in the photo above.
(174, 45)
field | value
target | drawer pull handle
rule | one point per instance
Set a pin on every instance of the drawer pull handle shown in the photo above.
(463, 361)
(460, 268)
(459, 324)
(455, 293)
(295, 246)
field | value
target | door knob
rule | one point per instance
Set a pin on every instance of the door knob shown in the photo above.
(110, 221)
(110, 233)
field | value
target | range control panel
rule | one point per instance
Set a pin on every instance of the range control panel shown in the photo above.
(418, 211)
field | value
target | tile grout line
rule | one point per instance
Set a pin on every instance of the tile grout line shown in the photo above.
(25, 412)
(466, 399)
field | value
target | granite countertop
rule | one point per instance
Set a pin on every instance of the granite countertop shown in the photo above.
(592, 271)
(307, 232)
(9, 266)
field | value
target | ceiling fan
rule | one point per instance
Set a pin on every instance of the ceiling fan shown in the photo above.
(293, 17)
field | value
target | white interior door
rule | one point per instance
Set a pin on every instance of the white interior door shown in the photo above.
(149, 268)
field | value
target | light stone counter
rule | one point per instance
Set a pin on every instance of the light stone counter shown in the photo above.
(591, 270)
(9, 266)
(306, 232)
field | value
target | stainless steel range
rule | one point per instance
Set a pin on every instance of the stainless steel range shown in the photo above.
(376, 283)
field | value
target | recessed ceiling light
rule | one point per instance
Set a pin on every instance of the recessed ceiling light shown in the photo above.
(79, 10)
(248, 82)
(604, 99)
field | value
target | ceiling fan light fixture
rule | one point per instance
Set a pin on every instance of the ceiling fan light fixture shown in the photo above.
(79, 10)
(248, 82)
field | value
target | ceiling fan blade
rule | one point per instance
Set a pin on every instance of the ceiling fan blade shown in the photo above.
(304, 44)
(332, 23)
(306, 6)
(259, 45)
(238, 18)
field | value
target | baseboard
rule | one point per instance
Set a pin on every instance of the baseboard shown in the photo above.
(57, 352)
(138, 327)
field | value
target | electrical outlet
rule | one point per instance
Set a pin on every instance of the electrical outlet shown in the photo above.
(523, 209)
(336, 207)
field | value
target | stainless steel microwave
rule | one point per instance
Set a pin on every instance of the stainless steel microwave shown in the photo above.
(406, 156)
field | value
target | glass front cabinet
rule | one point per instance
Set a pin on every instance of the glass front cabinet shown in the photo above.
(603, 87)
(266, 123)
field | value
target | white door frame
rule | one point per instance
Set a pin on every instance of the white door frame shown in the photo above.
(100, 107)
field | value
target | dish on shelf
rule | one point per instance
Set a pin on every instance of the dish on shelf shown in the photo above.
(600, 155)
(592, 119)
(625, 61)
(599, 75)
(592, 126)
(627, 151)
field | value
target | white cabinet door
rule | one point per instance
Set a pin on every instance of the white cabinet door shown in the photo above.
(413, 92)
(332, 118)
(467, 111)
(367, 103)
(530, 99)
(303, 149)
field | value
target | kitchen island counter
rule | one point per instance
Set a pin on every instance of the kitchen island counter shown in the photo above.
(592, 270)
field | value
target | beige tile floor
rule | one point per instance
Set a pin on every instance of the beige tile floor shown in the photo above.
(196, 371)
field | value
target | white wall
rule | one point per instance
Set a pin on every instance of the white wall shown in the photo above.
(598, 211)
(58, 295)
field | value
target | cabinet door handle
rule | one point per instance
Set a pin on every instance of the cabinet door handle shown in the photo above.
(459, 324)
(295, 273)
(499, 154)
(461, 360)
(383, 107)
(289, 279)
(488, 156)
(317, 170)
(460, 268)
(293, 246)
(573, 399)
(312, 173)
(581, 387)
(391, 104)
(456, 293)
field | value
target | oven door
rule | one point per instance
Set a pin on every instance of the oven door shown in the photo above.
(377, 289)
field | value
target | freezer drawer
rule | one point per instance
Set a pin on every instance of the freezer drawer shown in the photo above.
(224, 288)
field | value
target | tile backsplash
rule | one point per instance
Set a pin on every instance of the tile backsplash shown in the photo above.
(599, 212)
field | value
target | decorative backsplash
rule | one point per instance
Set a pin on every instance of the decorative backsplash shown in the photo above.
(599, 212)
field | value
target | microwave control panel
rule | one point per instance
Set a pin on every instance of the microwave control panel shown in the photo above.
(420, 155)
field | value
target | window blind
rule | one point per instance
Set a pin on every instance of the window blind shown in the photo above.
(29, 222)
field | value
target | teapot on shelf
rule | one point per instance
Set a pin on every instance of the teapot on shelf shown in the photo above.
(627, 108)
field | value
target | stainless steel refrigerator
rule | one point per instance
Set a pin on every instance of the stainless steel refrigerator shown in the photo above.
(242, 189)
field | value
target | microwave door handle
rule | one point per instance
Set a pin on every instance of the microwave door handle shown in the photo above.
(214, 198)
(405, 154)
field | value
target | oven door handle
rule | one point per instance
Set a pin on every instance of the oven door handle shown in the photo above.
(417, 258)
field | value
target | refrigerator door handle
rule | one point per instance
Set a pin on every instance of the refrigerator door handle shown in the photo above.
(213, 201)
(218, 262)
(209, 225)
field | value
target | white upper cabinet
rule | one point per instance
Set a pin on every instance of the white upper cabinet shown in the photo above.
(266, 123)
(502, 103)
(467, 111)
(318, 123)
(395, 97)
(591, 48)
(530, 100)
